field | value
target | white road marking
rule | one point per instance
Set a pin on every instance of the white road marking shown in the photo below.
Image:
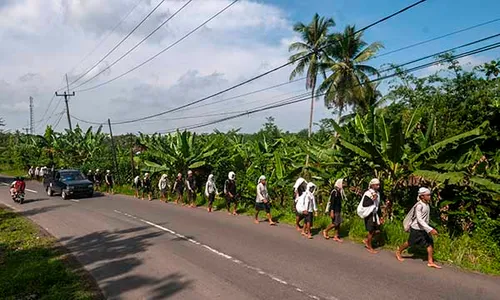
(74, 200)
(222, 254)
(10, 206)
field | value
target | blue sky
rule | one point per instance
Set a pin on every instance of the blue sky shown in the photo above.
(429, 19)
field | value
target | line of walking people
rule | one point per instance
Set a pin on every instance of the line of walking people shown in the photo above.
(305, 207)
(98, 179)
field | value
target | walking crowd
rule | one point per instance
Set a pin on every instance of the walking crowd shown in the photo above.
(305, 206)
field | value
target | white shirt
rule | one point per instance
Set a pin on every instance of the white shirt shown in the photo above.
(421, 220)
(210, 188)
(261, 193)
(162, 184)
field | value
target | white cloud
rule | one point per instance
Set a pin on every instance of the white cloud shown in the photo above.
(48, 38)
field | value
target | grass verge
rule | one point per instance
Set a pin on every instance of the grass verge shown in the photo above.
(32, 266)
(11, 172)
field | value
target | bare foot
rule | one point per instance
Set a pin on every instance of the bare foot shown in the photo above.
(337, 239)
(309, 236)
(272, 223)
(256, 221)
(298, 228)
(433, 265)
(371, 250)
(228, 213)
(399, 257)
(325, 235)
(235, 213)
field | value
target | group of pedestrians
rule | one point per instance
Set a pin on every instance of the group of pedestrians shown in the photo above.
(305, 207)
(98, 179)
(37, 172)
(416, 222)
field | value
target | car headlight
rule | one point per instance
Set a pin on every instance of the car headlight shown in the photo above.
(90, 186)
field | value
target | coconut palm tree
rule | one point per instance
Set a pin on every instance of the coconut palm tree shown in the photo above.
(347, 83)
(310, 53)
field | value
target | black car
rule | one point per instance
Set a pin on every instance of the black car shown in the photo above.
(68, 183)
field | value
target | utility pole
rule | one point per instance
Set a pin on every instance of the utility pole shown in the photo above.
(32, 128)
(66, 96)
(115, 163)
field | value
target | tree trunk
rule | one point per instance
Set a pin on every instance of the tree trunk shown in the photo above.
(311, 114)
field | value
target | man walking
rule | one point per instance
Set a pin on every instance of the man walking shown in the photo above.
(179, 189)
(262, 201)
(137, 184)
(162, 186)
(335, 208)
(420, 231)
(109, 182)
(191, 189)
(146, 187)
(210, 191)
(369, 210)
(230, 193)
(97, 180)
(298, 189)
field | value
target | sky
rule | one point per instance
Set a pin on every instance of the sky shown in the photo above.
(42, 40)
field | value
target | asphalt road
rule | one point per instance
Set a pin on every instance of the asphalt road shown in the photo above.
(151, 250)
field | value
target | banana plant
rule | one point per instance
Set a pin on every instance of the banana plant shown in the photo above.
(175, 153)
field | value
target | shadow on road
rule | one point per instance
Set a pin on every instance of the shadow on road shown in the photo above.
(41, 210)
(111, 256)
(34, 200)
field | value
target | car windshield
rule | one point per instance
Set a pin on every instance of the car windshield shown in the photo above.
(71, 176)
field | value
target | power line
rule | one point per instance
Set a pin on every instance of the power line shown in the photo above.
(237, 85)
(439, 37)
(443, 52)
(382, 71)
(107, 36)
(53, 113)
(136, 45)
(61, 114)
(468, 53)
(161, 52)
(47, 109)
(198, 116)
(380, 55)
(87, 122)
(244, 82)
(121, 42)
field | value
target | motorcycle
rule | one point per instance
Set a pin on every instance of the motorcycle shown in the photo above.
(18, 197)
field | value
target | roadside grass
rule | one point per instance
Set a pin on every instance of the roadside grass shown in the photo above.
(474, 252)
(5, 170)
(31, 267)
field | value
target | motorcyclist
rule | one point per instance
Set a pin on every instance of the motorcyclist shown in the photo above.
(12, 187)
(17, 187)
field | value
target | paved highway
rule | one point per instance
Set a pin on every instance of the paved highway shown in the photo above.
(151, 250)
